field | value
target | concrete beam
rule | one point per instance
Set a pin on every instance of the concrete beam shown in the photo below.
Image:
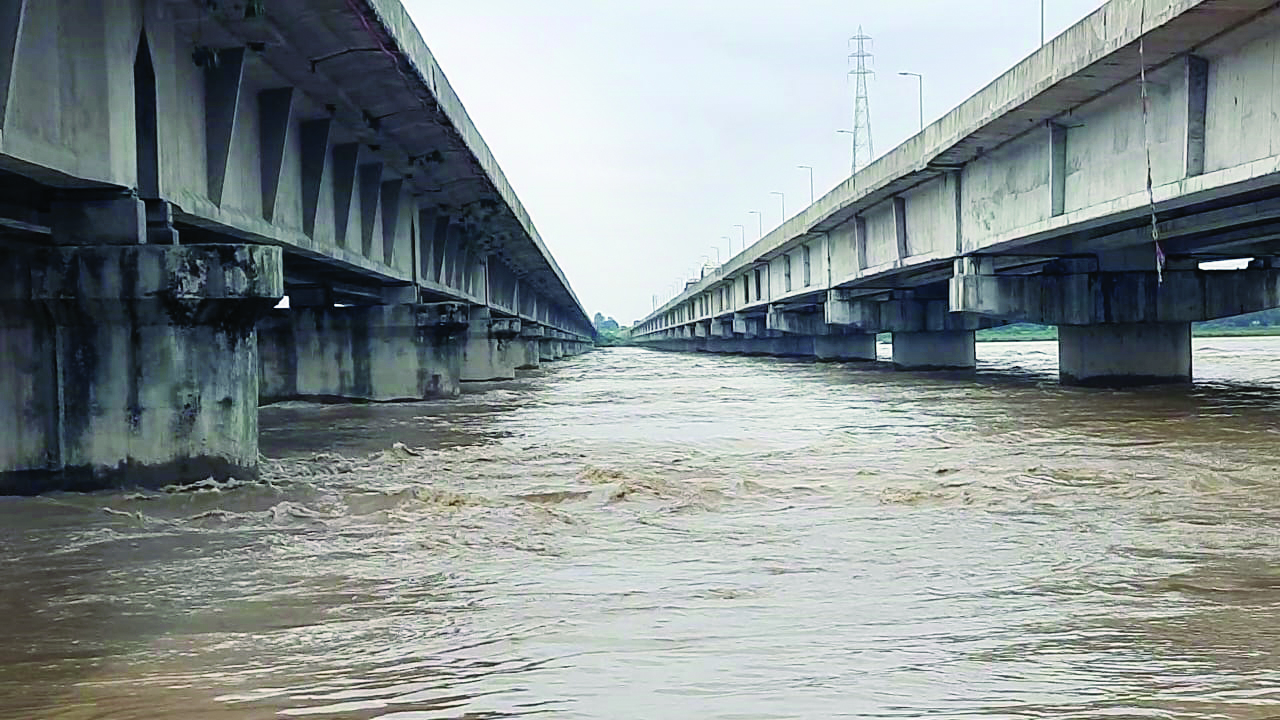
(98, 218)
(346, 158)
(275, 117)
(222, 81)
(1098, 298)
(912, 315)
(389, 194)
(314, 136)
(12, 15)
(795, 323)
(843, 311)
(370, 190)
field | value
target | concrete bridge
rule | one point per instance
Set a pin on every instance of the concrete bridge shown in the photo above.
(1029, 203)
(169, 169)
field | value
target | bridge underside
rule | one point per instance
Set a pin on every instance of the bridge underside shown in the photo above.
(1033, 201)
(171, 169)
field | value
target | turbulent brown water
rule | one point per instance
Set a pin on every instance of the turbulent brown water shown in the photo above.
(635, 534)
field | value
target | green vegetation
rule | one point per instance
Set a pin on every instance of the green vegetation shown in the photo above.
(614, 337)
(1200, 330)
(1266, 322)
(609, 333)
(1018, 331)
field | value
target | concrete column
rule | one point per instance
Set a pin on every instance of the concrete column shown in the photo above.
(529, 346)
(943, 350)
(530, 355)
(546, 350)
(1124, 354)
(378, 353)
(853, 346)
(131, 365)
(489, 352)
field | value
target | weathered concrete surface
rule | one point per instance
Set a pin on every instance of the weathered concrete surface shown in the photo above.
(1124, 354)
(546, 350)
(853, 346)
(132, 365)
(365, 163)
(530, 353)
(489, 349)
(1096, 298)
(379, 353)
(947, 350)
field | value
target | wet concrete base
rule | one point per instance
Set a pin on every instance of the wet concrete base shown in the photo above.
(88, 478)
(131, 365)
(943, 350)
(1124, 355)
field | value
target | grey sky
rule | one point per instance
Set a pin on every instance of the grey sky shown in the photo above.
(637, 134)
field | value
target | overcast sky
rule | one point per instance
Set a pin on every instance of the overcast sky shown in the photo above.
(638, 133)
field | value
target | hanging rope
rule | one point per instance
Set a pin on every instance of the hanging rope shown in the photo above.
(1146, 144)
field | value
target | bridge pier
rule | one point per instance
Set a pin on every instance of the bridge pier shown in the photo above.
(1124, 354)
(489, 350)
(131, 364)
(1116, 327)
(529, 349)
(849, 346)
(941, 350)
(376, 353)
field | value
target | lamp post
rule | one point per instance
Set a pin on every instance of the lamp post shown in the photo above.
(1042, 23)
(783, 198)
(810, 169)
(743, 232)
(920, 84)
(727, 243)
(853, 154)
(759, 221)
(717, 249)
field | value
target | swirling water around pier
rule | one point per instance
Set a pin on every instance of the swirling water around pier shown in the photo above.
(635, 534)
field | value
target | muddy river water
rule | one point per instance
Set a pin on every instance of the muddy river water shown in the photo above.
(637, 534)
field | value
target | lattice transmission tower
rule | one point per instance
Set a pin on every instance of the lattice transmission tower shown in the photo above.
(860, 55)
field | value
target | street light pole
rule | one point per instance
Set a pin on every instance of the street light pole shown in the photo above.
(743, 232)
(810, 169)
(920, 83)
(759, 221)
(727, 243)
(783, 198)
(853, 162)
(1041, 23)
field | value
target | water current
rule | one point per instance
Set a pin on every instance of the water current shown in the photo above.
(637, 534)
